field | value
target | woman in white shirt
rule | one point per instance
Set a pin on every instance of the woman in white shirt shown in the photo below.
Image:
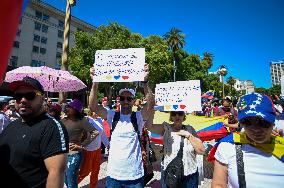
(253, 158)
(172, 135)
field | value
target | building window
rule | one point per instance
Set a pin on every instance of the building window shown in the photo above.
(44, 28)
(43, 51)
(60, 34)
(35, 49)
(38, 14)
(45, 17)
(36, 63)
(60, 23)
(43, 40)
(13, 61)
(37, 26)
(58, 55)
(59, 44)
(16, 44)
(36, 38)
(18, 32)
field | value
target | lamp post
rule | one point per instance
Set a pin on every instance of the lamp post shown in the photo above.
(222, 71)
(65, 49)
(175, 70)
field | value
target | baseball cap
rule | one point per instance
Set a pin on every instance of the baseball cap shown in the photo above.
(56, 107)
(229, 98)
(76, 105)
(26, 81)
(127, 90)
(256, 105)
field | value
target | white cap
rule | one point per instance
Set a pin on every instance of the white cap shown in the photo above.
(127, 90)
(228, 98)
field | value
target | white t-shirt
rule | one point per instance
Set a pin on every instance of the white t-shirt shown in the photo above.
(96, 143)
(125, 158)
(172, 146)
(262, 170)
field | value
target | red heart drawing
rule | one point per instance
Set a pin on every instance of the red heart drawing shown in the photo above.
(182, 106)
(125, 77)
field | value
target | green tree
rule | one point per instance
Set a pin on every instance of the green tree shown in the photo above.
(262, 90)
(231, 82)
(112, 36)
(175, 41)
(208, 58)
(275, 90)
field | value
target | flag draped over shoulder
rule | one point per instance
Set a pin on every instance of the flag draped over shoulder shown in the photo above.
(275, 147)
(207, 128)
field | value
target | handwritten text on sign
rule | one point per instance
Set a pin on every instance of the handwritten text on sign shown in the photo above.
(179, 96)
(119, 65)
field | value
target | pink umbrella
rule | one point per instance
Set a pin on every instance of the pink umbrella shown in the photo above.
(52, 80)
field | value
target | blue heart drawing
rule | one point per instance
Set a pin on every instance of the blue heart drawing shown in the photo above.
(175, 107)
(117, 77)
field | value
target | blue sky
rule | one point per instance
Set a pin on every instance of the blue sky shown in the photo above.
(244, 35)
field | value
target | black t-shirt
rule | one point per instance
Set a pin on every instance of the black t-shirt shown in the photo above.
(23, 148)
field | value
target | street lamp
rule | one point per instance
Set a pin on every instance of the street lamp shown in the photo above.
(222, 71)
(175, 70)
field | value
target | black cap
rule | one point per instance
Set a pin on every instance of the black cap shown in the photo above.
(26, 81)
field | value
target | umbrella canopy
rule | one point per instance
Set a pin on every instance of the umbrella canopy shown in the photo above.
(52, 80)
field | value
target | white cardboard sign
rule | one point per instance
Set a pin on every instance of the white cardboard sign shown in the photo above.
(179, 96)
(119, 65)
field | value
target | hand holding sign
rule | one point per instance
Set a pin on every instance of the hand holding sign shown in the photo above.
(179, 96)
(119, 65)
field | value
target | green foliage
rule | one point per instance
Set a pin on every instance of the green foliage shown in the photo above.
(160, 53)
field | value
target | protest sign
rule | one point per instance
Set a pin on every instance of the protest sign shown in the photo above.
(179, 96)
(119, 65)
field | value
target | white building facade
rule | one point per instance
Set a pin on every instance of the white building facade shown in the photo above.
(39, 37)
(276, 69)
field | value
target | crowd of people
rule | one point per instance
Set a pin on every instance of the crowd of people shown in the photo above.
(47, 144)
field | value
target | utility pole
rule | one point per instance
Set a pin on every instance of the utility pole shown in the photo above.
(65, 50)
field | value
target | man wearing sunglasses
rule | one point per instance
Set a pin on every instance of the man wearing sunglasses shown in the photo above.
(33, 148)
(125, 167)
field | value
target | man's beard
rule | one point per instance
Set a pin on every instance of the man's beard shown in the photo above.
(31, 113)
(126, 108)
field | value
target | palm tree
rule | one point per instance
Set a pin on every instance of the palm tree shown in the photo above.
(231, 81)
(208, 57)
(175, 40)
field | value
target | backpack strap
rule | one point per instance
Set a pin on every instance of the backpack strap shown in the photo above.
(135, 124)
(115, 121)
(240, 166)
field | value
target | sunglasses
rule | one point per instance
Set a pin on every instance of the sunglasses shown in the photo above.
(258, 122)
(177, 113)
(122, 98)
(29, 95)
